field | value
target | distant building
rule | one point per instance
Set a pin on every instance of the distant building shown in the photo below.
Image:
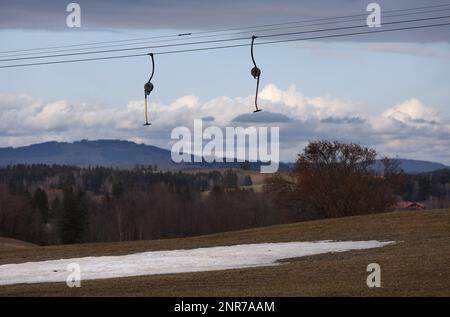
(409, 205)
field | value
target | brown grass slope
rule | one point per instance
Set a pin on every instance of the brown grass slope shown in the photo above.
(8, 243)
(418, 265)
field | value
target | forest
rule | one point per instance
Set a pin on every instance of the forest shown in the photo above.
(54, 204)
(66, 204)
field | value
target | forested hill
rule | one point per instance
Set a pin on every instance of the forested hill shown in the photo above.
(85, 153)
(116, 153)
(120, 153)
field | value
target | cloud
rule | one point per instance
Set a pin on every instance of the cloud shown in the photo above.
(208, 119)
(52, 116)
(409, 129)
(263, 117)
(344, 120)
(412, 111)
(295, 105)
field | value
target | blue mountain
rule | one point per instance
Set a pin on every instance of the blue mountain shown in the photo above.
(126, 154)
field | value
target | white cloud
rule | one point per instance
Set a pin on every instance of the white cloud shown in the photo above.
(410, 129)
(51, 116)
(412, 111)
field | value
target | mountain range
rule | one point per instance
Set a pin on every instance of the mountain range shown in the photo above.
(126, 154)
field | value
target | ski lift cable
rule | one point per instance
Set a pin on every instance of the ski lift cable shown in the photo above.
(179, 35)
(303, 39)
(217, 35)
(229, 46)
(217, 41)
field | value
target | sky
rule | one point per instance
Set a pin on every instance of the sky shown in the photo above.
(388, 91)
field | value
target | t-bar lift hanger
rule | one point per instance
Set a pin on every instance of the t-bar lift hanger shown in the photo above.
(148, 87)
(256, 73)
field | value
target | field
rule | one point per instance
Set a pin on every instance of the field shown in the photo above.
(7, 243)
(417, 265)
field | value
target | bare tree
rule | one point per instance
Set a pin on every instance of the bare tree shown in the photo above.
(335, 179)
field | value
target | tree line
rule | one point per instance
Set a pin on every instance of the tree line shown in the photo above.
(65, 204)
(433, 188)
(52, 204)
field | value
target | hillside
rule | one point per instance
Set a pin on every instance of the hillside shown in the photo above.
(415, 166)
(417, 264)
(127, 154)
(117, 153)
(8, 243)
(85, 153)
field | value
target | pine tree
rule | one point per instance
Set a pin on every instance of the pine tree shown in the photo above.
(117, 190)
(74, 216)
(248, 181)
(40, 202)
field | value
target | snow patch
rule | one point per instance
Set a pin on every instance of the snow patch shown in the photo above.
(175, 261)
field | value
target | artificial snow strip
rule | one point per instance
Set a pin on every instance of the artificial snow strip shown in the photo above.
(175, 261)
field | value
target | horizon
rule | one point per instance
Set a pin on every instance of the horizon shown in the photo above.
(387, 91)
(151, 145)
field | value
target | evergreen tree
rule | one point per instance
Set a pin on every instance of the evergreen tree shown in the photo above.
(117, 190)
(230, 179)
(248, 181)
(73, 222)
(40, 202)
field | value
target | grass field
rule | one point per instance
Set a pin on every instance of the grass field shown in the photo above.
(417, 265)
(7, 243)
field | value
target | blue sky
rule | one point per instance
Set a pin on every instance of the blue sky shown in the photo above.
(367, 78)
(377, 77)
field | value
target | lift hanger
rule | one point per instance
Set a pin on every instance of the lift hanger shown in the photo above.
(148, 87)
(256, 73)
